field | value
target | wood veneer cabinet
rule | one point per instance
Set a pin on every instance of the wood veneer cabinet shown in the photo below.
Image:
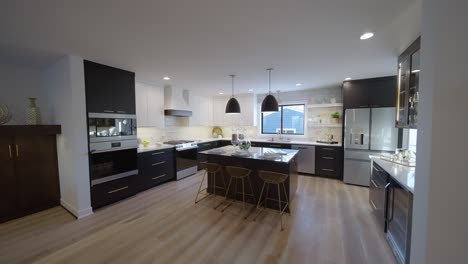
(29, 179)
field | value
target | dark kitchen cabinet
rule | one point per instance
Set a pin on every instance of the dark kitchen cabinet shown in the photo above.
(155, 167)
(203, 147)
(113, 191)
(399, 220)
(329, 161)
(108, 89)
(408, 86)
(378, 191)
(29, 170)
(367, 93)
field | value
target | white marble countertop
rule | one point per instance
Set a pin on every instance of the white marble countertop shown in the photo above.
(256, 153)
(292, 142)
(153, 147)
(402, 174)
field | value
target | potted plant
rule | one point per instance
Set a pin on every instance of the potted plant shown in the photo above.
(336, 117)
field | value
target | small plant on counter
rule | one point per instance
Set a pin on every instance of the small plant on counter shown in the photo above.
(335, 115)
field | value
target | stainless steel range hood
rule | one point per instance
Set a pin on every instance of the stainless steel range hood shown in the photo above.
(175, 112)
(176, 102)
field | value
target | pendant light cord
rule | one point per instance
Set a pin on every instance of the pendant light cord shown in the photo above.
(269, 80)
(232, 84)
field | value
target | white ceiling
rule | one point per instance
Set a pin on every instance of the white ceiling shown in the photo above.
(198, 43)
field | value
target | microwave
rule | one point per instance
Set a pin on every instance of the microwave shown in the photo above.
(102, 125)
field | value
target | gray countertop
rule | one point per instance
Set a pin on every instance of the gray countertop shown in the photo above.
(292, 142)
(270, 154)
(404, 175)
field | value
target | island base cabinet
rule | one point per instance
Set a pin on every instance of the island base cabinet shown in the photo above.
(29, 172)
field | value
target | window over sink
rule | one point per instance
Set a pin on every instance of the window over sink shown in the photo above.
(289, 120)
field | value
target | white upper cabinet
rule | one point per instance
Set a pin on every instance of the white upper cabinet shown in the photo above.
(149, 105)
(247, 117)
(201, 108)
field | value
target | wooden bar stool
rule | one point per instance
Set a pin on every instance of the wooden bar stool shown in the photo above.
(277, 179)
(214, 170)
(238, 173)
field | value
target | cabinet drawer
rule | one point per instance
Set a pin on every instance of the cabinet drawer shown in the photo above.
(157, 156)
(332, 172)
(109, 192)
(328, 152)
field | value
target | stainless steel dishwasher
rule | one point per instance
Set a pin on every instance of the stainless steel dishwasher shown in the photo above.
(305, 158)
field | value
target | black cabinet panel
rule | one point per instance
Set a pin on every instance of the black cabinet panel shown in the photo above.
(155, 167)
(203, 147)
(108, 89)
(376, 92)
(113, 191)
(355, 94)
(329, 162)
(382, 92)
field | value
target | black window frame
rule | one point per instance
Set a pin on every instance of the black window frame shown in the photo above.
(281, 121)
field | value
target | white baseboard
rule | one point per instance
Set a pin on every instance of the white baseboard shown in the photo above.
(77, 213)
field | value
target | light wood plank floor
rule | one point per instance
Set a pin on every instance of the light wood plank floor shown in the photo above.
(331, 223)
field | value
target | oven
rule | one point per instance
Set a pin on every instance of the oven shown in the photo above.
(113, 147)
(113, 165)
(186, 162)
(186, 157)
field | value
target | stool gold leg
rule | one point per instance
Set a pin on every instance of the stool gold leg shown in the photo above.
(199, 188)
(259, 202)
(287, 200)
(279, 206)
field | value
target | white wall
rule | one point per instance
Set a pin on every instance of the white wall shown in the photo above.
(440, 231)
(17, 83)
(65, 85)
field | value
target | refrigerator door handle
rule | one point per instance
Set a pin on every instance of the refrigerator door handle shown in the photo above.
(362, 139)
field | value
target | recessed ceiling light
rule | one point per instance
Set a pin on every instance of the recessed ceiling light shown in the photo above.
(347, 78)
(250, 90)
(367, 35)
(298, 84)
(221, 93)
(166, 78)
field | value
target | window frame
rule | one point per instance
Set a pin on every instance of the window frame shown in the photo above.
(281, 121)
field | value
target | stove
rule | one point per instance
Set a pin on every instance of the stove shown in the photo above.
(182, 144)
(186, 157)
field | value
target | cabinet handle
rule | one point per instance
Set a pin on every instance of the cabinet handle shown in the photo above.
(373, 205)
(117, 190)
(157, 177)
(159, 163)
(17, 150)
(157, 153)
(121, 112)
(10, 152)
(328, 170)
(108, 111)
(275, 145)
(328, 149)
(328, 158)
(362, 106)
(375, 184)
(375, 168)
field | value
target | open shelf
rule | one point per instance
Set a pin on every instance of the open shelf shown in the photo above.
(324, 105)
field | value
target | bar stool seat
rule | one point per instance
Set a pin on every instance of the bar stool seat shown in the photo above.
(214, 170)
(277, 179)
(242, 174)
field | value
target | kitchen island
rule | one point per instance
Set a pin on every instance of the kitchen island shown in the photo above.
(255, 159)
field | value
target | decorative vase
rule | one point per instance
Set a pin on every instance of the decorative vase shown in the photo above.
(33, 113)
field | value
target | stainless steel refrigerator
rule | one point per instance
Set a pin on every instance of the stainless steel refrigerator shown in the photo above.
(368, 131)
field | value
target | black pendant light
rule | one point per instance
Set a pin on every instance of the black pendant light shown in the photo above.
(232, 106)
(269, 104)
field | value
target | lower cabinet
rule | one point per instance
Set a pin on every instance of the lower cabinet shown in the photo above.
(154, 168)
(113, 191)
(28, 170)
(329, 161)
